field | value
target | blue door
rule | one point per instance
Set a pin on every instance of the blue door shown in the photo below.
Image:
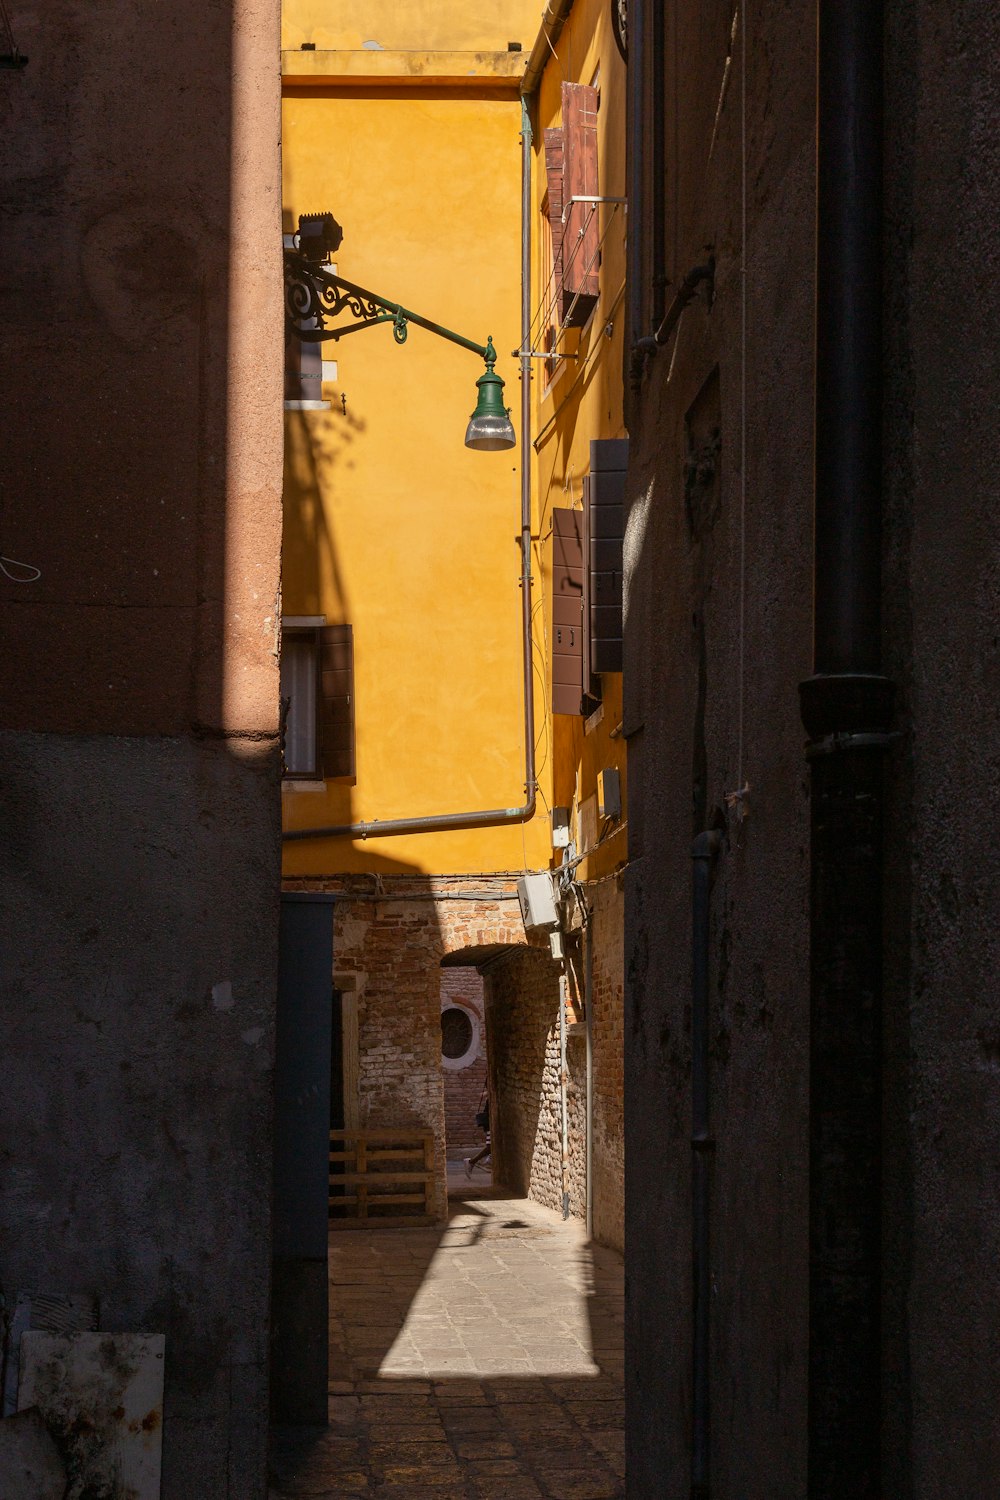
(303, 1043)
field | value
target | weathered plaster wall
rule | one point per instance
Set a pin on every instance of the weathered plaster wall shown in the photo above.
(139, 911)
(687, 671)
(942, 1108)
(141, 433)
(943, 880)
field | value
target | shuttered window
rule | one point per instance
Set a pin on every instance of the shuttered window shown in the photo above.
(298, 699)
(335, 728)
(571, 172)
(604, 528)
(581, 234)
(317, 691)
(303, 373)
(554, 209)
(567, 611)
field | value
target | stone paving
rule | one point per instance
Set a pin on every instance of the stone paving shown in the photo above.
(480, 1360)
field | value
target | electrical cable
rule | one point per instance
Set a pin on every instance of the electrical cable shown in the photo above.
(11, 567)
(580, 373)
(29, 574)
(604, 839)
(8, 28)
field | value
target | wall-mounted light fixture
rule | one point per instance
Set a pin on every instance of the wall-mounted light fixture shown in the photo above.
(314, 295)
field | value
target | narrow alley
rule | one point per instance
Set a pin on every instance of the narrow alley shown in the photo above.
(484, 1359)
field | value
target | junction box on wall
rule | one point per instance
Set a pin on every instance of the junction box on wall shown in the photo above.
(536, 895)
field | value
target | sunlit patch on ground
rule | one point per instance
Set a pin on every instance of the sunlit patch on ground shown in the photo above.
(482, 1360)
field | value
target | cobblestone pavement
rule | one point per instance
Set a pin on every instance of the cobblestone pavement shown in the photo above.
(482, 1360)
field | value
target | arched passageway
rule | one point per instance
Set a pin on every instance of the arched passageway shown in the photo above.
(536, 1072)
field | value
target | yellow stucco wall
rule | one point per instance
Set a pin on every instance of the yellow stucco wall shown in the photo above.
(401, 25)
(391, 524)
(585, 399)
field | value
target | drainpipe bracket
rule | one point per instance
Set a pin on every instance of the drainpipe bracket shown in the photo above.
(839, 704)
(835, 744)
(707, 844)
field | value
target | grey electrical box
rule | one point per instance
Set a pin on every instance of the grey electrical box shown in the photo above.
(560, 827)
(609, 793)
(537, 898)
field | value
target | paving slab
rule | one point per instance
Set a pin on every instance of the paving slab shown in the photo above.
(482, 1361)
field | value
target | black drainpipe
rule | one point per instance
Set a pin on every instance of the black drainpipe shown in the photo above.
(704, 852)
(847, 711)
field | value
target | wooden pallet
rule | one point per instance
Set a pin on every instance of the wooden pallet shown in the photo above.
(382, 1178)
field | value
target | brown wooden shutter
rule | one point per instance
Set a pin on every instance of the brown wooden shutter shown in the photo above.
(567, 611)
(554, 193)
(335, 708)
(605, 531)
(592, 689)
(581, 233)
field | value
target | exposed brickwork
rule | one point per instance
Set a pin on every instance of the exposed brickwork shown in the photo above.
(522, 1008)
(389, 939)
(390, 935)
(463, 1087)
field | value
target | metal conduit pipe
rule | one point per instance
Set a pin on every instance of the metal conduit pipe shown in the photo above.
(847, 709)
(645, 348)
(704, 853)
(498, 816)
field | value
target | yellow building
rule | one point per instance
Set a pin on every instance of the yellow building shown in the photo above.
(403, 589)
(579, 452)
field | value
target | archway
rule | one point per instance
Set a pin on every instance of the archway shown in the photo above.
(535, 1071)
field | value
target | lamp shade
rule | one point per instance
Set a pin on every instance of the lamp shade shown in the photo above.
(490, 429)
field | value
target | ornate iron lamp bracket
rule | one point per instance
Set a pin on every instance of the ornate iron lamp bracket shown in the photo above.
(315, 296)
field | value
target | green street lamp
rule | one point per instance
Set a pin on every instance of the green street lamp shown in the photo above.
(490, 429)
(314, 294)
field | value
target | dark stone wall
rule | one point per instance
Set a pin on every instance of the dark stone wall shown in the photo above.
(687, 593)
(140, 425)
(139, 910)
(943, 648)
(685, 662)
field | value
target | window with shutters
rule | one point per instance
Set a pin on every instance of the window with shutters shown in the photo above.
(604, 532)
(573, 231)
(305, 372)
(317, 700)
(567, 610)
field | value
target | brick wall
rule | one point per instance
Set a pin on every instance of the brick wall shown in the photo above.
(463, 1087)
(391, 949)
(390, 936)
(389, 940)
(522, 1009)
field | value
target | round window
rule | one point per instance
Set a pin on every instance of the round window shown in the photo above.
(457, 1033)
